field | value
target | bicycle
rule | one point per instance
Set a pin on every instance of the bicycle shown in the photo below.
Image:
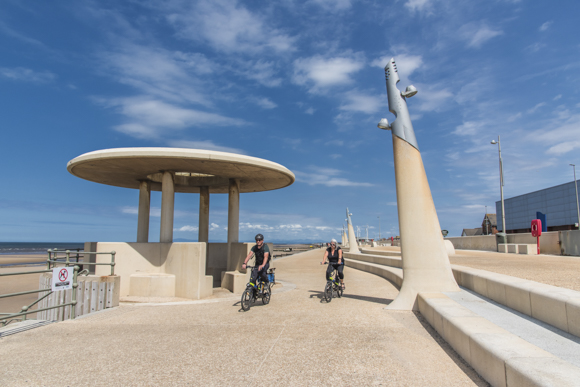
(332, 285)
(255, 291)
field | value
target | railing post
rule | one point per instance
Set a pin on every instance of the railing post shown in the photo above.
(74, 293)
(67, 258)
(24, 309)
(113, 262)
(48, 260)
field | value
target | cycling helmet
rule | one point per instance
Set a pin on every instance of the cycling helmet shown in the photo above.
(259, 237)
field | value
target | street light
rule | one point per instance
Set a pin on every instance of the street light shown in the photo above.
(576, 185)
(501, 184)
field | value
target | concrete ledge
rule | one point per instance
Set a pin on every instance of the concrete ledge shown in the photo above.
(541, 371)
(375, 258)
(500, 357)
(512, 248)
(393, 275)
(235, 281)
(550, 304)
(528, 249)
(152, 285)
(381, 252)
(502, 248)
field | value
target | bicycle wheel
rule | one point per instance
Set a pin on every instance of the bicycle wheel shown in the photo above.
(339, 290)
(266, 295)
(328, 291)
(247, 298)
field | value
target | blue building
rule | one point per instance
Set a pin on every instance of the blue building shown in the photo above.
(557, 203)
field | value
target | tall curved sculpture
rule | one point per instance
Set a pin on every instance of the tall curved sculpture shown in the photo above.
(352, 242)
(426, 266)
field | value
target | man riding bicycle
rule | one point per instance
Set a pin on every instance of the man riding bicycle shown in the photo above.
(262, 253)
(334, 256)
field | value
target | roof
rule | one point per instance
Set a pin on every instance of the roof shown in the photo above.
(193, 168)
(472, 231)
(492, 219)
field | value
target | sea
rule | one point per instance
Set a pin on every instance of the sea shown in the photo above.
(28, 248)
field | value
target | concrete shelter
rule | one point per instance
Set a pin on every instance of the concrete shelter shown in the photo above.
(171, 170)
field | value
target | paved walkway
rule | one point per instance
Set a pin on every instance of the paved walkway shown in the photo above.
(296, 340)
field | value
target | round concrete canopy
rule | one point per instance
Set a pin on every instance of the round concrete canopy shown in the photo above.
(193, 168)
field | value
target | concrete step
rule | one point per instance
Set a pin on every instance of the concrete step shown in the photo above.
(506, 347)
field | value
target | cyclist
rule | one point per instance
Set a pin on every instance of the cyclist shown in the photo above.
(334, 256)
(262, 253)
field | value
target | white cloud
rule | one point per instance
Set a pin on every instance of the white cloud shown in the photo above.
(327, 177)
(319, 72)
(207, 145)
(262, 71)
(130, 210)
(539, 105)
(535, 47)
(26, 75)
(417, 5)
(214, 226)
(149, 118)
(229, 27)
(362, 103)
(564, 147)
(187, 228)
(155, 212)
(545, 26)
(265, 103)
(478, 33)
(557, 97)
(406, 64)
(291, 226)
(172, 76)
(558, 133)
(470, 128)
(432, 98)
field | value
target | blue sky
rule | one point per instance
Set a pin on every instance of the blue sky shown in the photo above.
(300, 83)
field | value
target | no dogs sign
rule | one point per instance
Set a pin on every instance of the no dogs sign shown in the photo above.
(62, 278)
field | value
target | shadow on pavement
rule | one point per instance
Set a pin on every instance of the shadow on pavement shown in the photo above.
(378, 300)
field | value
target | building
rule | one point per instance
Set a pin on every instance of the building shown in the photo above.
(488, 227)
(489, 224)
(557, 203)
(471, 232)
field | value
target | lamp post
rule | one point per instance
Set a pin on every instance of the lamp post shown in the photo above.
(501, 184)
(576, 185)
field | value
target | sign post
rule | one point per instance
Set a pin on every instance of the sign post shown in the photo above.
(537, 231)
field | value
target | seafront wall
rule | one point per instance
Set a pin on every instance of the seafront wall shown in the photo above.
(551, 242)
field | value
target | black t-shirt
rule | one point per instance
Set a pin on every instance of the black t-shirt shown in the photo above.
(260, 253)
(333, 258)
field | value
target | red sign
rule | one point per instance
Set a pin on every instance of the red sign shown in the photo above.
(63, 275)
(536, 227)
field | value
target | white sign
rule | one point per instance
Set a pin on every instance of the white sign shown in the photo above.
(62, 278)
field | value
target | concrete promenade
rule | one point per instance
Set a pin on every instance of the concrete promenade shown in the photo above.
(296, 340)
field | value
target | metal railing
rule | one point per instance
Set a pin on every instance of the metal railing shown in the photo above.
(51, 262)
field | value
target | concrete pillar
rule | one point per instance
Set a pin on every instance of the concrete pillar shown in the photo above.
(352, 242)
(233, 220)
(144, 210)
(203, 229)
(345, 238)
(426, 266)
(167, 207)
